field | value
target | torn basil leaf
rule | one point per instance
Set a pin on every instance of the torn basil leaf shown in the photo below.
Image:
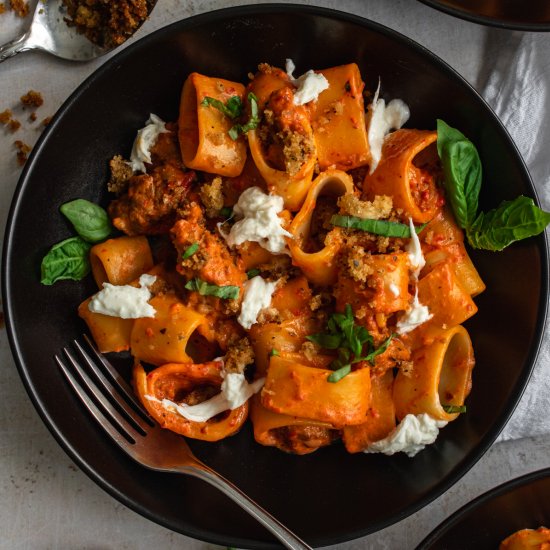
(206, 289)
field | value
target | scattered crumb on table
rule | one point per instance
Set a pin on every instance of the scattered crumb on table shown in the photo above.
(23, 151)
(32, 99)
(20, 7)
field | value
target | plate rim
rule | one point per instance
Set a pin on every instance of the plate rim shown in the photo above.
(497, 491)
(484, 19)
(9, 307)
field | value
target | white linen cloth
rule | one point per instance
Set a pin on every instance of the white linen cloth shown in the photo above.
(516, 83)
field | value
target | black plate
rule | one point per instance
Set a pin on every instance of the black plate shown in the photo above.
(522, 503)
(530, 15)
(329, 496)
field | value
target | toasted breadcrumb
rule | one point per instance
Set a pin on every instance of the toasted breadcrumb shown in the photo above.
(310, 350)
(22, 151)
(238, 356)
(2, 7)
(315, 303)
(20, 7)
(211, 195)
(14, 125)
(107, 24)
(32, 99)
(357, 264)
(46, 121)
(121, 172)
(32, 117)
(378, 209)
(5, 116)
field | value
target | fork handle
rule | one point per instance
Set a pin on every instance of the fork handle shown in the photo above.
(14, 47)
(287, 537)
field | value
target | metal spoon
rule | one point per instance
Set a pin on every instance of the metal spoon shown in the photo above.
(49, 32)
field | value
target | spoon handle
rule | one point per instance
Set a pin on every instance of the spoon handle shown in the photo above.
(14, 47)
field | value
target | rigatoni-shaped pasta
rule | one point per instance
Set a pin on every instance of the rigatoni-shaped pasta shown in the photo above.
(441, 374)
(380, 419)
(319, 267)
(405, 172)
(203, 129)
(120, 261)
(338, 120)
(111, 334)
(163, 339)
(457, 305)
(444, 242)
(176, 381)
(289, 433)
(282, 146)
(296, 389)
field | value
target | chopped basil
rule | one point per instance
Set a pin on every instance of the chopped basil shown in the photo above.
(494, 230)
(378, 227)
(232, 108)
(66, 260)
(353, 343)
(226, 212)
(89, 220)
(274, 353)
(253, 273)
(189, 251)
(238, 129)
(337, 375)
(452, 409)
(205, 289)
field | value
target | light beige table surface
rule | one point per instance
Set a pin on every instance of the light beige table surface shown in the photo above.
(46, 501)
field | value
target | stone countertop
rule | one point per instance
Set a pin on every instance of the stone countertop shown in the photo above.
(47, 502)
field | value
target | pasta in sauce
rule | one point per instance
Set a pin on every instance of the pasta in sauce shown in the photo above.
(291, 281)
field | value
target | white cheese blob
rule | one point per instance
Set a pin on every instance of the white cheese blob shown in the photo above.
(257, 296)
(309, 85)
(394, 289)
(384, 119)
(235, 391)
(145, 139)
(411, 436)
(125, 301)
(414, 251)
(260, 221)
(414, 317)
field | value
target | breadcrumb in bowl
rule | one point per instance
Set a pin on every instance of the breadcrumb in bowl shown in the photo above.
(107, 23)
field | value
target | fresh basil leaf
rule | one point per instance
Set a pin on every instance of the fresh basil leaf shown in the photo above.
(337, 375)
(90, 221)
(66, 260)
(253, 273)
(274, 353)
(238, 129)
(344, 356)
(378, 227)
(462, 172)
(205, 289)
(510, 222)
(381, 349)
(452, 409)
(327, 341)
(232, 108)
(189, 251)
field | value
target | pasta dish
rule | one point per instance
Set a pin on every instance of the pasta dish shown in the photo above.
(288, 252)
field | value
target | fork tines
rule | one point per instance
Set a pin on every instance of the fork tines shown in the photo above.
(109, 399)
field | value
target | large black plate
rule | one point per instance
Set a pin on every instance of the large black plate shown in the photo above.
(329, 496)
(522, 503)
(532, 15)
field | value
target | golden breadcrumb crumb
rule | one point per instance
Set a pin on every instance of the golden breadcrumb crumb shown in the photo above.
(20, 7)
(211, 195)
(121, 172)
(238, 356)
(357, 263)
(378, 209)
(46, 121)
(22, 151)
(310, 350)
(32, 99)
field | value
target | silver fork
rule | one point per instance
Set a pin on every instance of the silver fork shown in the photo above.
(144, 440)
